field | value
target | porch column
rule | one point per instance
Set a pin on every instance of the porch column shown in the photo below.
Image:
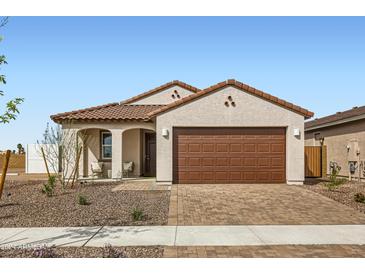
(117, 153)
(81, 160)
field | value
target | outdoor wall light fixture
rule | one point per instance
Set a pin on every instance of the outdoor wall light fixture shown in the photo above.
(165, 132)
(296, 132)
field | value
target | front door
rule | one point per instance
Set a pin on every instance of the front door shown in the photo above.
(150, 155)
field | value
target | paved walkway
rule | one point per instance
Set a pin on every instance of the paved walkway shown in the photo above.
(184, 235)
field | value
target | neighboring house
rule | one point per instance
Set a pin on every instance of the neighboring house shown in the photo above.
(227, 133)
(344, 135)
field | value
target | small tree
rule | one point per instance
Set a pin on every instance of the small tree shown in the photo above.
(62, 150)
(11, 107)
(20, 148)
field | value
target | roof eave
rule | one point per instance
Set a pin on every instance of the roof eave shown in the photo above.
(335, 123)
(160, 88)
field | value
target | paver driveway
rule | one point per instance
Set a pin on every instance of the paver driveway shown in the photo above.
(255, 204)
(278, 251)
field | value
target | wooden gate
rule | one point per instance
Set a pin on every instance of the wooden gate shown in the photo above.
(313, 161)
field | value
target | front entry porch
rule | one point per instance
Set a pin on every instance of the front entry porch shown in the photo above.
(117, 154)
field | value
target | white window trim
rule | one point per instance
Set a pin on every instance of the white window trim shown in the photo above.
(102, 146)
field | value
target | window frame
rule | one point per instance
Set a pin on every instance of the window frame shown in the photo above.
(102, 145)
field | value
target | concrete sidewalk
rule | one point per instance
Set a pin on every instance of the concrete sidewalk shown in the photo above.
(183, 235)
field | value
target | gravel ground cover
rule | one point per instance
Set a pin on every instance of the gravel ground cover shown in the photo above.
(84, 252)
(24, 205)
(344, 194)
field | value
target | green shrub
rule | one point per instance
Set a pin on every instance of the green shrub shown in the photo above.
(359, 197)
(332, 185)
(137, 214)
(334, 181)
(82, 200)
(49, 187)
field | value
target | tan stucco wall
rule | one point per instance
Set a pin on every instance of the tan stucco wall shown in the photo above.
(132, 149)
(250, 111)
(163, 97)
(91, 151)
(336, 138)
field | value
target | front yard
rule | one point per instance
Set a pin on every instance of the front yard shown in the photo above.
(344, 194)
(24, 205)
(84, 252)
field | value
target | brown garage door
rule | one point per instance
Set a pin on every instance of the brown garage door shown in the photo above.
(229, 155)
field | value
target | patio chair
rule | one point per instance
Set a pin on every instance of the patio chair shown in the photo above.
(97, 169)
(127, 167)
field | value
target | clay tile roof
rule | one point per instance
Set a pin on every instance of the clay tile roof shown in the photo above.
(324, 121)
(231, 82)
(109, 112)
(158, 89)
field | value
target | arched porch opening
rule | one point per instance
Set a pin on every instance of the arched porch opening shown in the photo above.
(97, 148)
(139, 149)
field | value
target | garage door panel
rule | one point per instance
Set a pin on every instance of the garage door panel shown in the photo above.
(249, 147)
(208, 161)
(182, 161)
(249, 162)
(249, 176)
(277, 176)
(221, 175)
(277, 148)
(222, 162)
(208, 148)
(264, 162)
(233, 147)
(229, 155)
(194, 175)
(263, 147)
(278, 162)
(221, 148)
(235, 176)
(194, 162)
(194, 147)
(183, 147)
(263, 175)
(235, 162)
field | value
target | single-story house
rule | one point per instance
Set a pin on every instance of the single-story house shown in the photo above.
(344, 135)
(227, 133)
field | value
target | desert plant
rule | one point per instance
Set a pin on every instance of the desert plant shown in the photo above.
(111, 252)
(359, 197)
(49, 187)
(44, 252)
(62, 148)
(137, 214)
(335, 182)
(82, 200)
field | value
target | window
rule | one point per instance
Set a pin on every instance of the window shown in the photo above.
(106, 145)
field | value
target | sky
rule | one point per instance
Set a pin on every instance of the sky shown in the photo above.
(60, 64)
